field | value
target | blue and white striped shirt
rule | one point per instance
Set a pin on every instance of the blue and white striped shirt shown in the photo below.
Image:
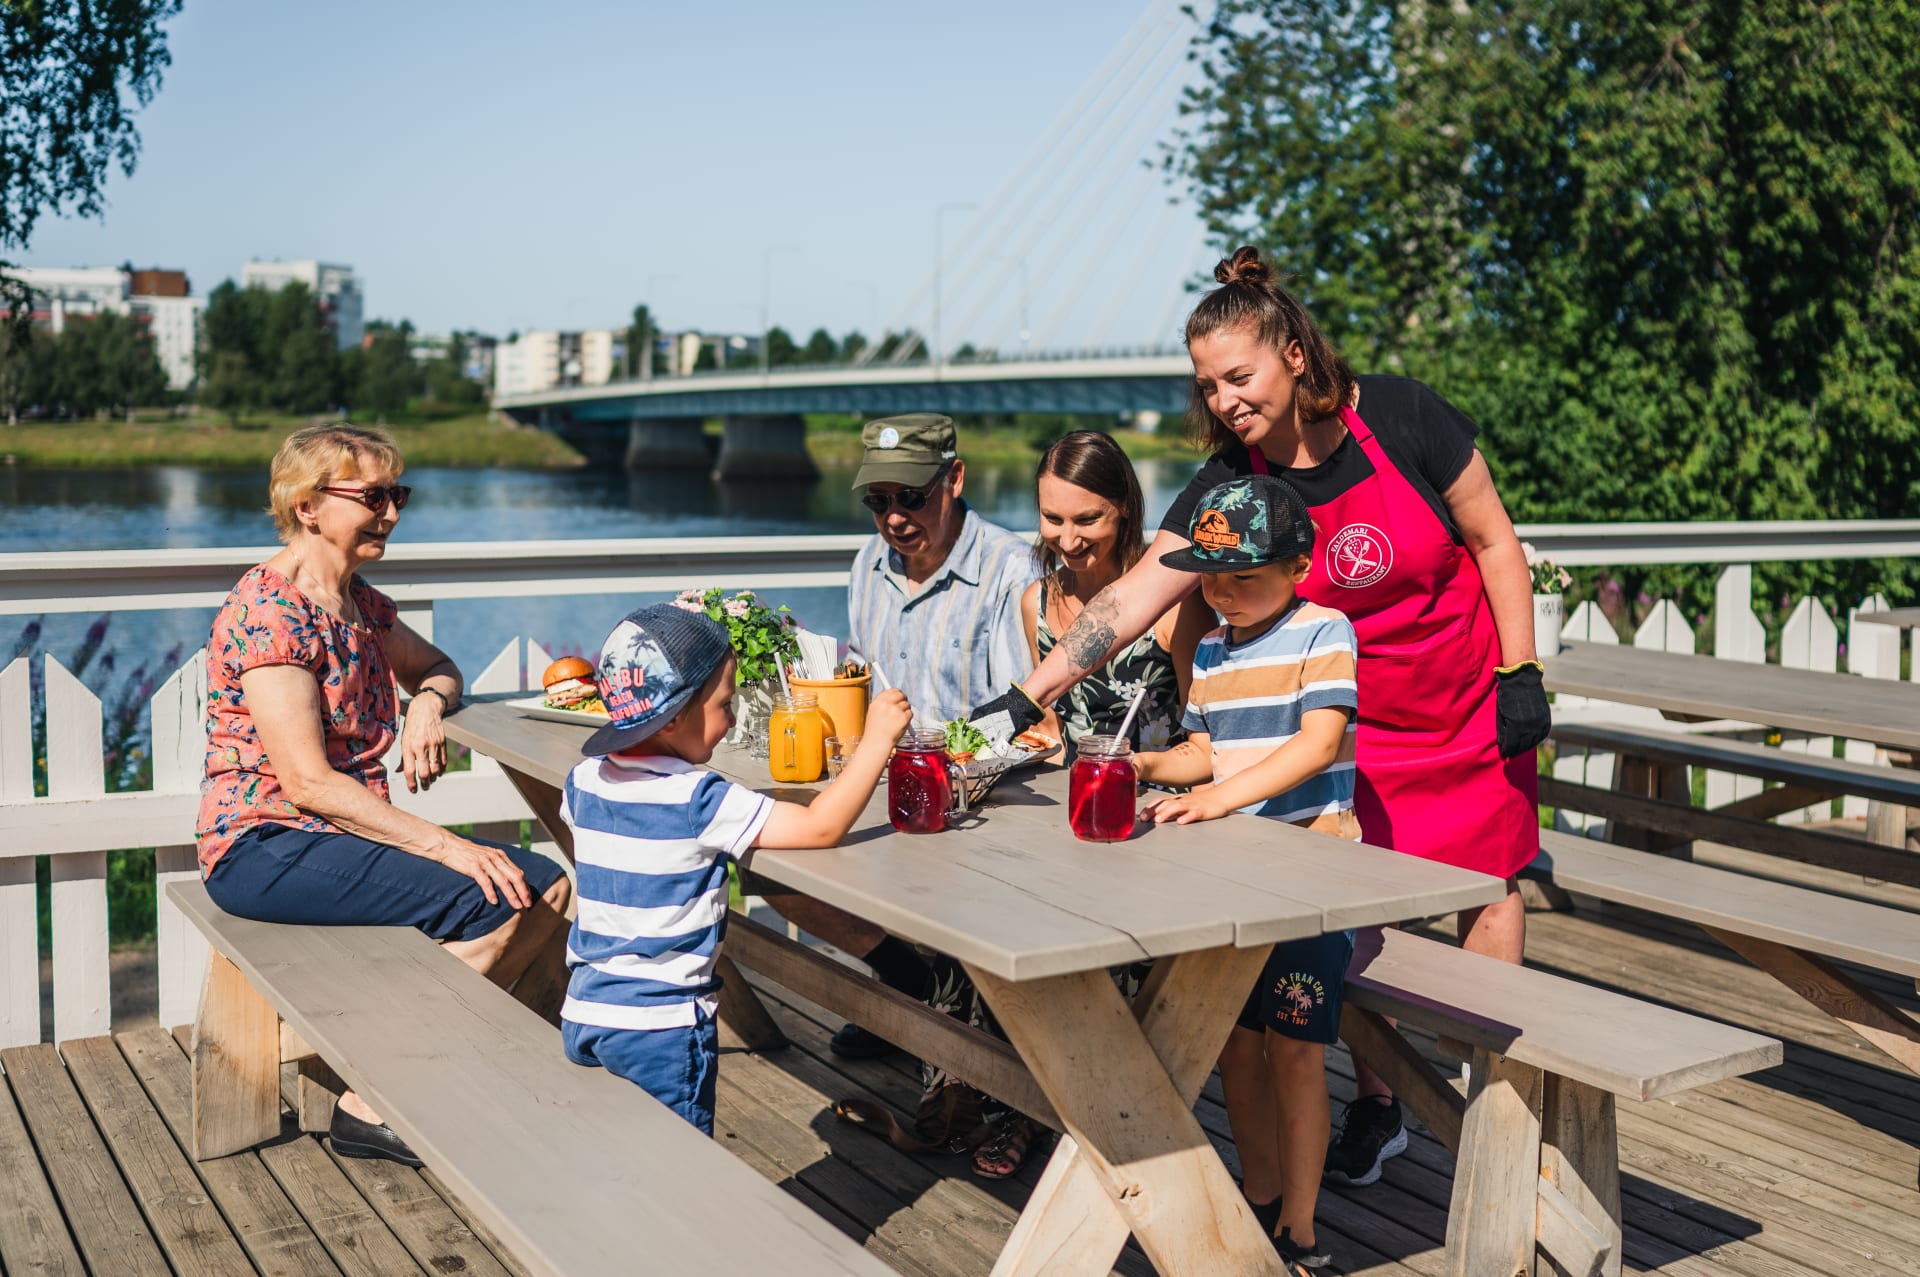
(651, 840)
(958, 641)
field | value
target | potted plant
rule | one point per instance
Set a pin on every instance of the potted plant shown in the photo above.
(762, 639)
(1550, 582)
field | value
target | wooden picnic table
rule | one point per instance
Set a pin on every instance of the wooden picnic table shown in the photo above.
(1037, 917)
(1906, 618)
(1883, 711)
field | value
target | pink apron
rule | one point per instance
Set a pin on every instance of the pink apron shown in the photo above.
(1429, 777)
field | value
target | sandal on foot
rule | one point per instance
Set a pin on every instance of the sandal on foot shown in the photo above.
(1004, 1151)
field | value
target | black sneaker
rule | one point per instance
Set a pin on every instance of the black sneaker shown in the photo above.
(854, 1043)
(1300, 1259)
(1370, 1133)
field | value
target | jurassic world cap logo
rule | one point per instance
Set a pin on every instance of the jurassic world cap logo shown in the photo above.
(1213, 534)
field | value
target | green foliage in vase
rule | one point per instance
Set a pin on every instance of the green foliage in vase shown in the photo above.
(761, 636)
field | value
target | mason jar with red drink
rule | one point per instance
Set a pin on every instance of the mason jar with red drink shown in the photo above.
(920, 783)
(1101, 789)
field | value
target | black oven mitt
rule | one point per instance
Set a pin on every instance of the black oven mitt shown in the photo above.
(1007, 715)
(1521, 710)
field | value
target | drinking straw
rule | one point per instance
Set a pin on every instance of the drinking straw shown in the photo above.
(1132, 709)
(780, 667)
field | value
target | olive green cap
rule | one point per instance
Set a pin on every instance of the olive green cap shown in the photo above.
(908, 449)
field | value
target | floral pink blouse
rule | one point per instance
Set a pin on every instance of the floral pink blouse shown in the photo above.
(267, 621)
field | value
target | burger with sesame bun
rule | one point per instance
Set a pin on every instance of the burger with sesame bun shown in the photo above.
(569, 684)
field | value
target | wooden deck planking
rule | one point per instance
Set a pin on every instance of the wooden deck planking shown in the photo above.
(420, 1219)
(179, 1209)
(107, 1227)
(1807, 1167)
(33, 1236)
(265, 1223)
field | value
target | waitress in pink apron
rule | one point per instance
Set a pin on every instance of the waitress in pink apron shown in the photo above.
(1416, 548)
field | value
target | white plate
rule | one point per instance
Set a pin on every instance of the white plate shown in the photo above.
(537, 707)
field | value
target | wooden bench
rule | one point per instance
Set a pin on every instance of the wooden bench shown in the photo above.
(1650, 804)
(1538, 1162)
(576, 1170)
(1792, 933)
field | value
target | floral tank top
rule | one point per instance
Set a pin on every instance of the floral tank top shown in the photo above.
(1095, 705)
(267, 621)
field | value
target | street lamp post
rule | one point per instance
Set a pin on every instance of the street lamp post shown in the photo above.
(766, 287)
(935, 356)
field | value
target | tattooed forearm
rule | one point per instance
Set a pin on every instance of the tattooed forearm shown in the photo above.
(1091, 636)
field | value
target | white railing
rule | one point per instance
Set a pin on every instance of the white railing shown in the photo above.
(77, 823)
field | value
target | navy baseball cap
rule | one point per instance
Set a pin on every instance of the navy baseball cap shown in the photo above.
(654, 662)
(1245, 523)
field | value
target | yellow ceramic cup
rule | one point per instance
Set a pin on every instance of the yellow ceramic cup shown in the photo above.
(843, 702)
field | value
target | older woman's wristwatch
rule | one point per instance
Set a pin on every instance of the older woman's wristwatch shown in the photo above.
(446, 706)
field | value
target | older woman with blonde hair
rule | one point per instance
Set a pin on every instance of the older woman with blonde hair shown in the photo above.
(295, 823)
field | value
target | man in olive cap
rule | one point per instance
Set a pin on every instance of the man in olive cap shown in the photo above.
(934, 609)
(934, 599)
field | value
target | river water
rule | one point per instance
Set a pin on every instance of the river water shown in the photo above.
(158, 507)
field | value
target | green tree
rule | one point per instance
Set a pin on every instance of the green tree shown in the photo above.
(780, 347)
(447, 383)
(72, 76)
(389, 377)
(851, 345)
(643, 342)
(820, 348)
(1666, 251)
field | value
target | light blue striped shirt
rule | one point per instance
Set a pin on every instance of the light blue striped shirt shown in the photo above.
(958, 641)
(651, 841)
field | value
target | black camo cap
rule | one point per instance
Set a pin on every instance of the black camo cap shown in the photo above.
(1245, 523)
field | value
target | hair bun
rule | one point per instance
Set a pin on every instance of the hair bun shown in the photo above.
(1244, 267)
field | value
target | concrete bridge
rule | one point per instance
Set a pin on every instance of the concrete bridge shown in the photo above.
(659, 423)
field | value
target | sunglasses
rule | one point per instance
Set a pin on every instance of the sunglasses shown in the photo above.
(375, 498)
(912, 500)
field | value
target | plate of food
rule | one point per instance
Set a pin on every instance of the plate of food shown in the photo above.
(569, 695)
(979, 756)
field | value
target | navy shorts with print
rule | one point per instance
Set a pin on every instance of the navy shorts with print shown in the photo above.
(1299, 993)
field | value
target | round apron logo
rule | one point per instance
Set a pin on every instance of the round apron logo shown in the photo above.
(1359, 556)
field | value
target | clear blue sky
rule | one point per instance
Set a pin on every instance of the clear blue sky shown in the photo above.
(507, 166)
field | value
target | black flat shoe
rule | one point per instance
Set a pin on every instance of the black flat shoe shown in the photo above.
(352, 1137)
(854, 1043)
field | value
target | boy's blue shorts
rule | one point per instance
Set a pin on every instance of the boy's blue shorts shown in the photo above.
(276, 873)
(1300, 990)
(678, 1067)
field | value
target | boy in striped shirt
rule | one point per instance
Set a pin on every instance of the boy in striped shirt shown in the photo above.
(1270, 718)
(653, 834)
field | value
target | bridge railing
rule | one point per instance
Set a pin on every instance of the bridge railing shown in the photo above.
(76, 822)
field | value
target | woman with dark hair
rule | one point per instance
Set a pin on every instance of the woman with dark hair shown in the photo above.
(1417, 550)
(1092, 530)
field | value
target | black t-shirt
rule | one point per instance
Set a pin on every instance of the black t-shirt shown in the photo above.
(1427, 438)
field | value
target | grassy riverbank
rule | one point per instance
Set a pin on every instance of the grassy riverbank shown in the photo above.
(835, 440)
(474, 440)
(203, 440)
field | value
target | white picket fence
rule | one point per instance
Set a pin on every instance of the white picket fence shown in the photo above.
(77, 823)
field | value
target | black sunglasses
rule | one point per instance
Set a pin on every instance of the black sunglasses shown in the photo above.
(376, 497)
(912, 500)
